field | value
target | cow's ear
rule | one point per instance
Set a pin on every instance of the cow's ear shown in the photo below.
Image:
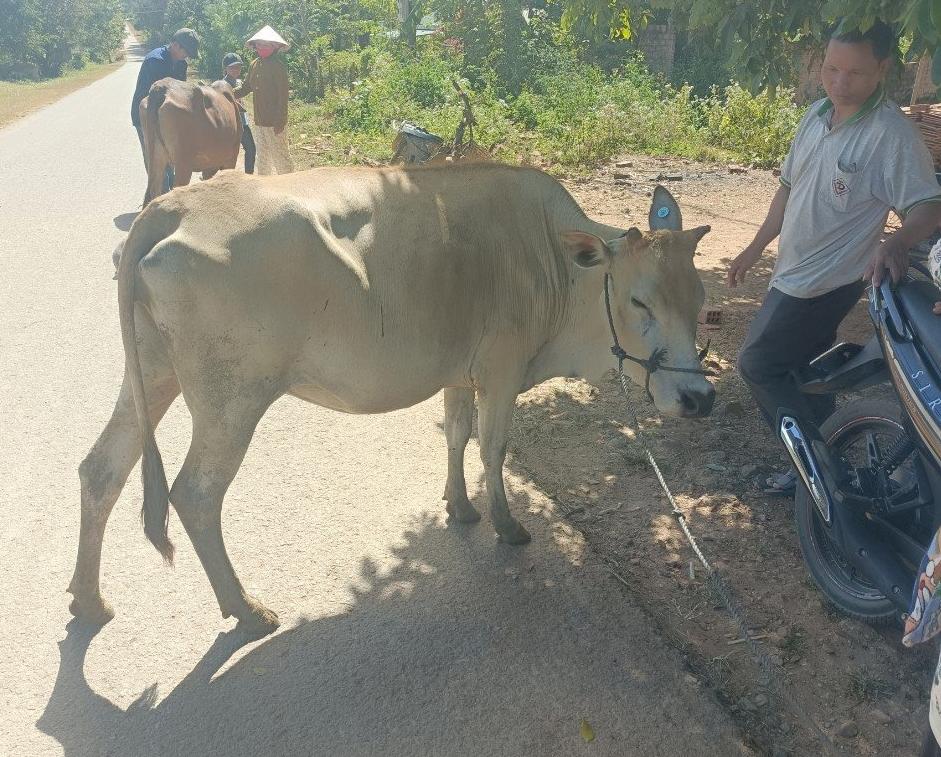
(586, 249)
(664, 211)
(633, 236)
(699, 232)
(632, 240)
(687, 241)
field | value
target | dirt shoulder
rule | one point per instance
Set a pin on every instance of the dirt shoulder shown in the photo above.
(862, 689)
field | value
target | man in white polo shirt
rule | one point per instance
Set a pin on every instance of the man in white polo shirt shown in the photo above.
(854, 158)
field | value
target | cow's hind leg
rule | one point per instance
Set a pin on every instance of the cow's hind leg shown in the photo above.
(458, 418)
(220, 439)
(494, 418)
(103, 474)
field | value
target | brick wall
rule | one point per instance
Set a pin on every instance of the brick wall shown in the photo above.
(658, 43)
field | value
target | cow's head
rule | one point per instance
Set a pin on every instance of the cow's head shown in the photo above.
(656, 296)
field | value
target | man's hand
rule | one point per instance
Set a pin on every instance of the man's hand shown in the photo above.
(741, 264)
(888, 256)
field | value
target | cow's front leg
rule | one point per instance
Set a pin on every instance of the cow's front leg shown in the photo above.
(458, 419)
(495, 414)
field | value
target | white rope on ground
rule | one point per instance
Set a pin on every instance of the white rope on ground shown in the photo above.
(771, 680)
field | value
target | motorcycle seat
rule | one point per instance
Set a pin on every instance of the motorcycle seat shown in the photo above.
(917, 298)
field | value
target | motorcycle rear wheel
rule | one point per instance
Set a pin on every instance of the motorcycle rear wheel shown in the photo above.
(847, 590)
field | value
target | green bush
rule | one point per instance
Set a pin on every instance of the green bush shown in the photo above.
(541, 91)
(757, 128)
(572, 117)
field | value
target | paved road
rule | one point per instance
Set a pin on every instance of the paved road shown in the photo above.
(400, 635)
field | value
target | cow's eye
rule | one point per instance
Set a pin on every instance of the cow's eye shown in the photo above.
(638, 304)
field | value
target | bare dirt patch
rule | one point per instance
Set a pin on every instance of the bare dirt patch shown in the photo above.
(864, 691)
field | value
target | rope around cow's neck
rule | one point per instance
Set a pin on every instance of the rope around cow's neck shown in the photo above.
(653, 363)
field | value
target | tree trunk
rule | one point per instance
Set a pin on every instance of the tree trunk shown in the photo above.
(408, 23)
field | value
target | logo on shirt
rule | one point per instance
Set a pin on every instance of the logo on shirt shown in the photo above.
(840, 187)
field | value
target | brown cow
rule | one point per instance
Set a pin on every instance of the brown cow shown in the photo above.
(192, 127)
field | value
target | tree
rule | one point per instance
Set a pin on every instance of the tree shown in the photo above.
(762, 39)
(50, 33)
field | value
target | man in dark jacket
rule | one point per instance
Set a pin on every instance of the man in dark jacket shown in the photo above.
(168, 60)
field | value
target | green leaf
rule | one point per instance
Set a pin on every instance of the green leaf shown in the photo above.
(926, 24)
(935, 14)
(586, 731)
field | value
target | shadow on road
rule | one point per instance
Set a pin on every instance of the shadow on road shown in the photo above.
(418, 665)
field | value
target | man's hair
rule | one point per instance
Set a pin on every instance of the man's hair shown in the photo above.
(880, 36)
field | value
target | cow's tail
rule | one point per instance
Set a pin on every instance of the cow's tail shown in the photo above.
(155, 98)
(153, 225)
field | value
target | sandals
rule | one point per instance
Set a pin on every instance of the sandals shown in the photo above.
(780, 484)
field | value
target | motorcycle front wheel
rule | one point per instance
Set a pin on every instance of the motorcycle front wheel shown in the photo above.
(848, 433)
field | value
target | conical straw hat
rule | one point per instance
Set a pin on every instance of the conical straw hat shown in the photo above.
(268, 34)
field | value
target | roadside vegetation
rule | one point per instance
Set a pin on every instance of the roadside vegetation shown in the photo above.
(541, 91)
(20, 98)
(566, 115)
(44, 39)
(49, 48)
(560, 83)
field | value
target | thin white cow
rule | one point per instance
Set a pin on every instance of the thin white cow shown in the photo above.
(365, 291)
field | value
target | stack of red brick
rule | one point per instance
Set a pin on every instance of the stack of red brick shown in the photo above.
(928, 120)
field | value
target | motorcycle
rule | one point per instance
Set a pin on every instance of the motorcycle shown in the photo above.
(871, 496)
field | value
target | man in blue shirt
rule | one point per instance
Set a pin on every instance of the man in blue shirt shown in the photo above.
(166, 61)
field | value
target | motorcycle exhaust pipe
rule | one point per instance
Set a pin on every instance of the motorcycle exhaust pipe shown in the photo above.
(805, 463)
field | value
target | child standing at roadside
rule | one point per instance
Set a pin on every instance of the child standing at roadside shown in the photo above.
(232, 69)
(267, 80)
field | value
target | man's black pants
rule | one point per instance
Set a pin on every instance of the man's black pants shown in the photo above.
(248, 144)
(786, 334)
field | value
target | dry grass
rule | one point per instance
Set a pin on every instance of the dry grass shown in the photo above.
(18, 99)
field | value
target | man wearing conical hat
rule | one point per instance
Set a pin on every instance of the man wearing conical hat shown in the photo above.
(267, 80)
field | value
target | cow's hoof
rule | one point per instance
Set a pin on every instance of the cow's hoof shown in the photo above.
(462, 510)
(514, 534)
(258, 621)
(95, 612)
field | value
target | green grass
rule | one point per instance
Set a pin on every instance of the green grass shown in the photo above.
(18, 99)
